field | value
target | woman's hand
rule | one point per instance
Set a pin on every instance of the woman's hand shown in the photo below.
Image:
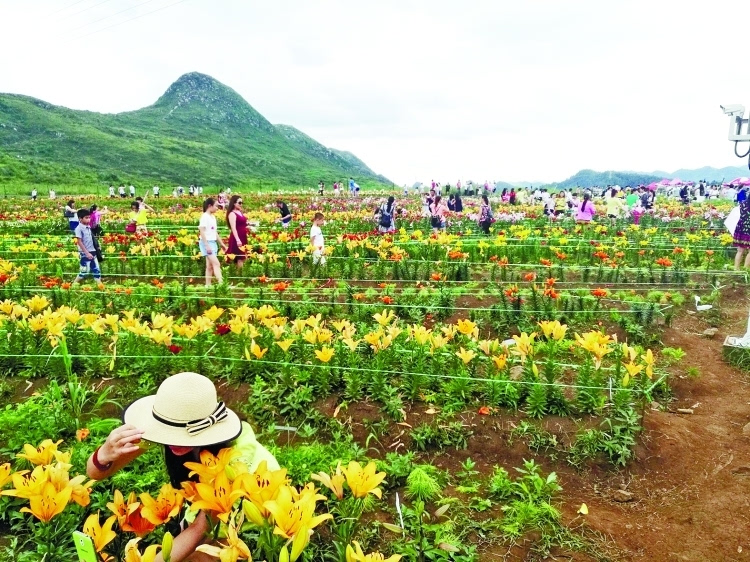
(122, 441)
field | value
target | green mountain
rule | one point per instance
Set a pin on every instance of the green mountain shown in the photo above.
(590, 178)
(200, 131)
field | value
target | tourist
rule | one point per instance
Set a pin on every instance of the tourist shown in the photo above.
(485, 215)
(741, 235)
(321, 188)
(351, 186)
(185, 418)
(138, 217)
(615, 206)
(561, 204)
(132, 190)
(121, 191)
(52, 194)
(286, 217)
(451, 202)
(155, 190)
(111, 191)
(86, 248)
(459, 204)
(317, 241)
(586, 209)
(33, 194)
(237, 223)
(70, 213)
(387, 220)
(95, 224)
(210, 241)
(437, 214)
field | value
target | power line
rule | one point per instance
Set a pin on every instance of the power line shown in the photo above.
(111, 15)
(127, 20)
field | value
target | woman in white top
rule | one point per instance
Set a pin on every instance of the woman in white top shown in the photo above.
(210, 241)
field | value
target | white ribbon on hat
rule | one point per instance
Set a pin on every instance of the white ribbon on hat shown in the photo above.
(219, 414)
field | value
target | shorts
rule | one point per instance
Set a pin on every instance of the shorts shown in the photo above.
(318, 257)
(212, 244)
(286, 224)
(73, 225)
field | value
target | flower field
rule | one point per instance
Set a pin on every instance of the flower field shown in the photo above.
(367, 376)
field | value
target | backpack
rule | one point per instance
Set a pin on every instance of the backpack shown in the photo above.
(386, 217)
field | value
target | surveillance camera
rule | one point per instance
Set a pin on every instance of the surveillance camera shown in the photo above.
(735, 109)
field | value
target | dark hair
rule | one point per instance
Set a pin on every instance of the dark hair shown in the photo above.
(436, 200)
(83, 213)
(72, 203)
(613, 192)
(139, 199)
(232, 203)
(391, 199)
(93, 208)
(208, 203)
(485, 199)
(135, 205)
(586, 197)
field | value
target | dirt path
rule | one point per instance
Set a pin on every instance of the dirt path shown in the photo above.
(691, 476)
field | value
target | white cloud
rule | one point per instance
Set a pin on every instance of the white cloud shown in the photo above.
(481, 89)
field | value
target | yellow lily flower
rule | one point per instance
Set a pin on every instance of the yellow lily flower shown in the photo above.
(213, 313)
(298, 325)
(187, 331)
(314, 321)
(234, 549)
(285, 344)
(277, 331)
(310, 336)
(648, 358)
(41, 455)
(373, 338)
(335, 483)
(524, 345)
(363, 481)
(242, 313)
(161, 321)
(468, 328)
(5, 471)
(265, 311)
(166, 505)
(628, 352)
(351, 343)
(324, 354)
(261, 486)
(341, 325)
(384, 318)
(49, 503)
(27, 484)
(37, 303)
(256, 350)
(500, 361)
(488, 347)
(218, 498)
(466, 356)
(203, 323)
(357, 555)
(102, 535)
(449, 331)
(161, 337)
(324, 335)
(212, 465)
(420, 334)
(553, 330)
(295, 518)
(37, 323)
(632, 370)
(132, 554)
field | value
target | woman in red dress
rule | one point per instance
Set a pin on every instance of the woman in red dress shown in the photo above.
(237, 223)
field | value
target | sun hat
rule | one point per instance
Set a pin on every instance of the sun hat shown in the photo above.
(184, 412)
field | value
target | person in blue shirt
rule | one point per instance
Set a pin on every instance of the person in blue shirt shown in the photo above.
(742, 194)
(351, 186)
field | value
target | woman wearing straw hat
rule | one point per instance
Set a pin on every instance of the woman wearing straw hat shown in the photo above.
(186, 417)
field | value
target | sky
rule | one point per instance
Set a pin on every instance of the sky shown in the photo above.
(531, 90)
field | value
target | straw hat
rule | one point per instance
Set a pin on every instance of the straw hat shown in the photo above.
(184, 412)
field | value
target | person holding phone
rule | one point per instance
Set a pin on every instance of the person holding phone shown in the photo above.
(186, 417)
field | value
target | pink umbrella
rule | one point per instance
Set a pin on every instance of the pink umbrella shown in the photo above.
(676, 182)
(665, 181)
(740, 181)
(653, 185)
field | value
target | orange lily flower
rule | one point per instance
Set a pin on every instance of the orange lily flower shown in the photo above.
(102, 535)
(160, 510)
